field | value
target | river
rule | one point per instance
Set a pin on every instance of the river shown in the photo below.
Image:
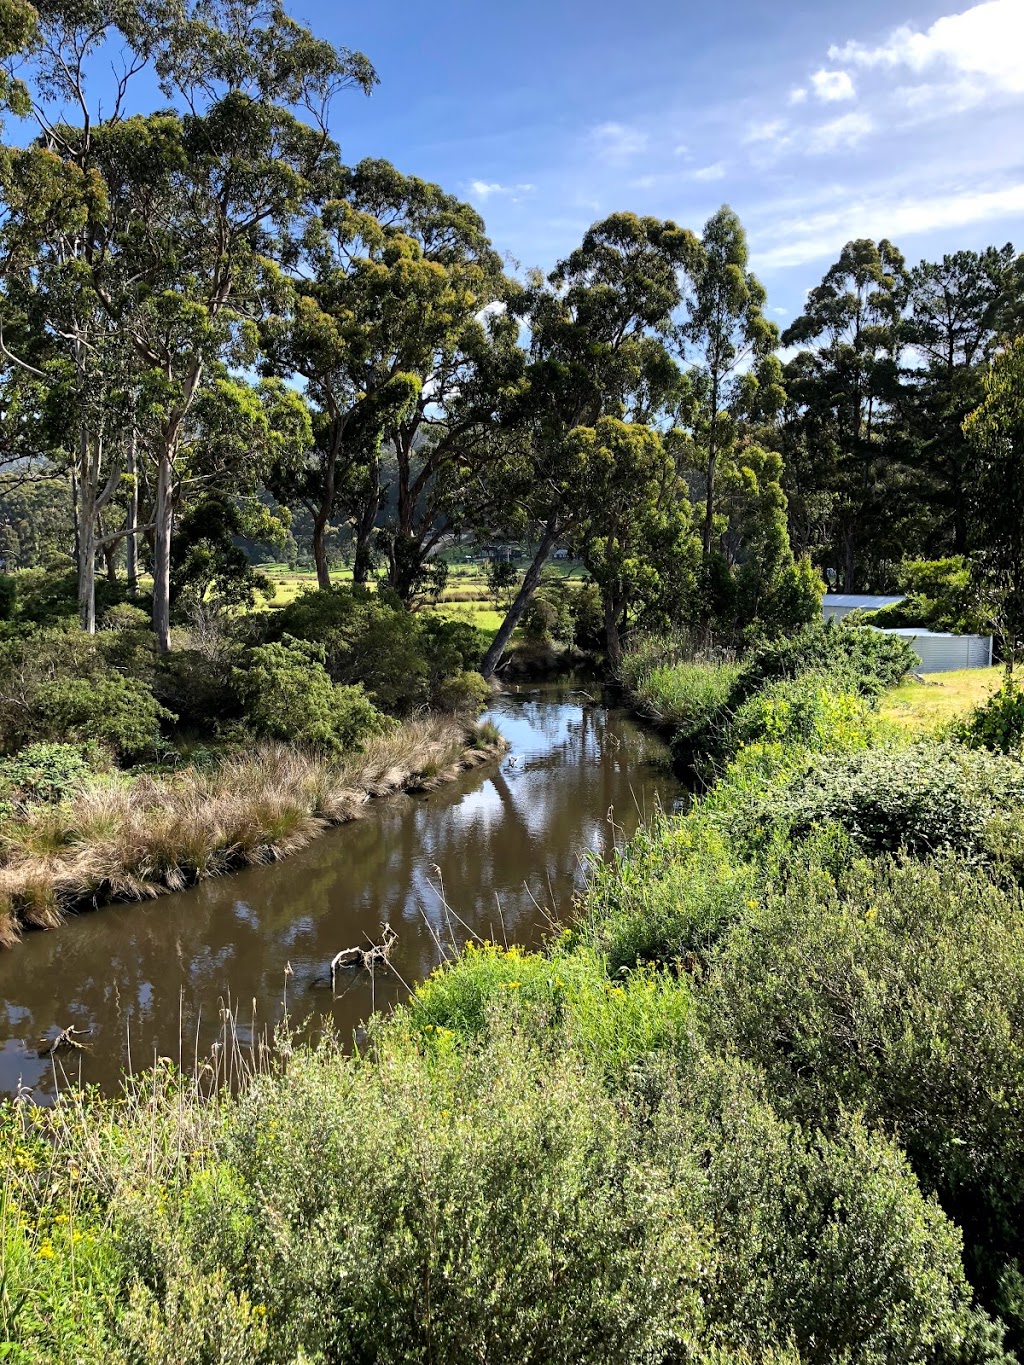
(498, 852)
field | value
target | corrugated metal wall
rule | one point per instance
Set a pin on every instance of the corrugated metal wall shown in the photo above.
(946, 653)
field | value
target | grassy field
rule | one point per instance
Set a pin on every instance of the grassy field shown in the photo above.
(466, 597)
(940, 698)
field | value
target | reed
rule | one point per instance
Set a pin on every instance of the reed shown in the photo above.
(134, 839)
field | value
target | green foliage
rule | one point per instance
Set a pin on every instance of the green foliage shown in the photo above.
(811, 709)
(8, 595)
(865, 659)
(823, 1238)
(46, 597)
(466, 691)
(941, 594)
(895, 989)
(922, 797)
(207, 560)
(119, 713)
(997, 723)
(288, 694)
(42, 772)
(400, 657)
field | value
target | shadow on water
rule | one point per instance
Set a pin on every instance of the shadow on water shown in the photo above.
(504, 847)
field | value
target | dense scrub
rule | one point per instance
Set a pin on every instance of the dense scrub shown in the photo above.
(124, 773)
(757, 1103)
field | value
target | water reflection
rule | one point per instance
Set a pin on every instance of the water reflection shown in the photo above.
(500, 849)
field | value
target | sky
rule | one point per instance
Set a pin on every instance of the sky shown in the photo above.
(817, 121)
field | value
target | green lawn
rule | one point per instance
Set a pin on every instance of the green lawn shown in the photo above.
(940, 698)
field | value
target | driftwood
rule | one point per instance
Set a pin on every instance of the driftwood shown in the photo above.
(64, 1040)
(364, 959)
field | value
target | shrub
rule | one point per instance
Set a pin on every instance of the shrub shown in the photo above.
(865, 659)
(692, 701)
(997, 723)
(921, 797)
(399, 657)
(42, 772)
(464, 692)
(8, 595)
(289, 695)
(565, 1000)
(941, 594)
(896, 990)
(822, 1239)
(668, 897)
(125, 616)
(541, 621)
(119, 713)
(400, 1212)
(811, 709)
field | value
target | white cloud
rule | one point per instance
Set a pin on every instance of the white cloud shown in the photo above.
(798, 95)
(833, 86)
(844, 132)
(484, 189)
(768, 130)
(714, 172)
(617, 142)
(986, 42)
(820, 235)
(681, 150)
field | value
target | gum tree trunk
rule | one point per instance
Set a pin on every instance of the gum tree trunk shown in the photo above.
(514, 615)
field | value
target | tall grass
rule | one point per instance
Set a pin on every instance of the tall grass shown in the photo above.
(133, 839)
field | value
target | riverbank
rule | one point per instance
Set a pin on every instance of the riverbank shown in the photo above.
(135, 837)
(802, 995)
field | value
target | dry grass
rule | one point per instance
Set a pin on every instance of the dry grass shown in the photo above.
(940, 698)
(139, 838)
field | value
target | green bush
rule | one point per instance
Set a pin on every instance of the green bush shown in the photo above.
(812, 709)
(8, 595)
(823, 1240)
(668, 897)
(464, 692)
(41, 772)
(563, 1001)
(485, 1206)
(941, 594)
(398, 656)
(856, 656)
(997, 723)
(289, 695)
(119, 713)
(922, 798)
(896, 990)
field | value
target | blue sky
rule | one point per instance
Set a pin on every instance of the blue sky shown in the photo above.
(817, 121)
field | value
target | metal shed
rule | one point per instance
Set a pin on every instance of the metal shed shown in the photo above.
(943, 653)
(836, 605)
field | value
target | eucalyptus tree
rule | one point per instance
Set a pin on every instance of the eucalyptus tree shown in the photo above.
(393, 332)
(844, 385)
(996, 506)
(636, 534)
(173, 223)
(957, 310)
(597, 355)
(727, 345)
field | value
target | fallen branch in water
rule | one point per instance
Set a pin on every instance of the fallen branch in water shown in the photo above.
(362, 958)
(64, 1039)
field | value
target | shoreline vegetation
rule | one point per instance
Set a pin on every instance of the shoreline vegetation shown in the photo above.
(131, 837)
(801, 995)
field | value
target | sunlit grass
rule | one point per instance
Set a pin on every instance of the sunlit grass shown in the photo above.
(940, 698)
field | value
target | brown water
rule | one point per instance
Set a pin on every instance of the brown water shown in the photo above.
(503, 847)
